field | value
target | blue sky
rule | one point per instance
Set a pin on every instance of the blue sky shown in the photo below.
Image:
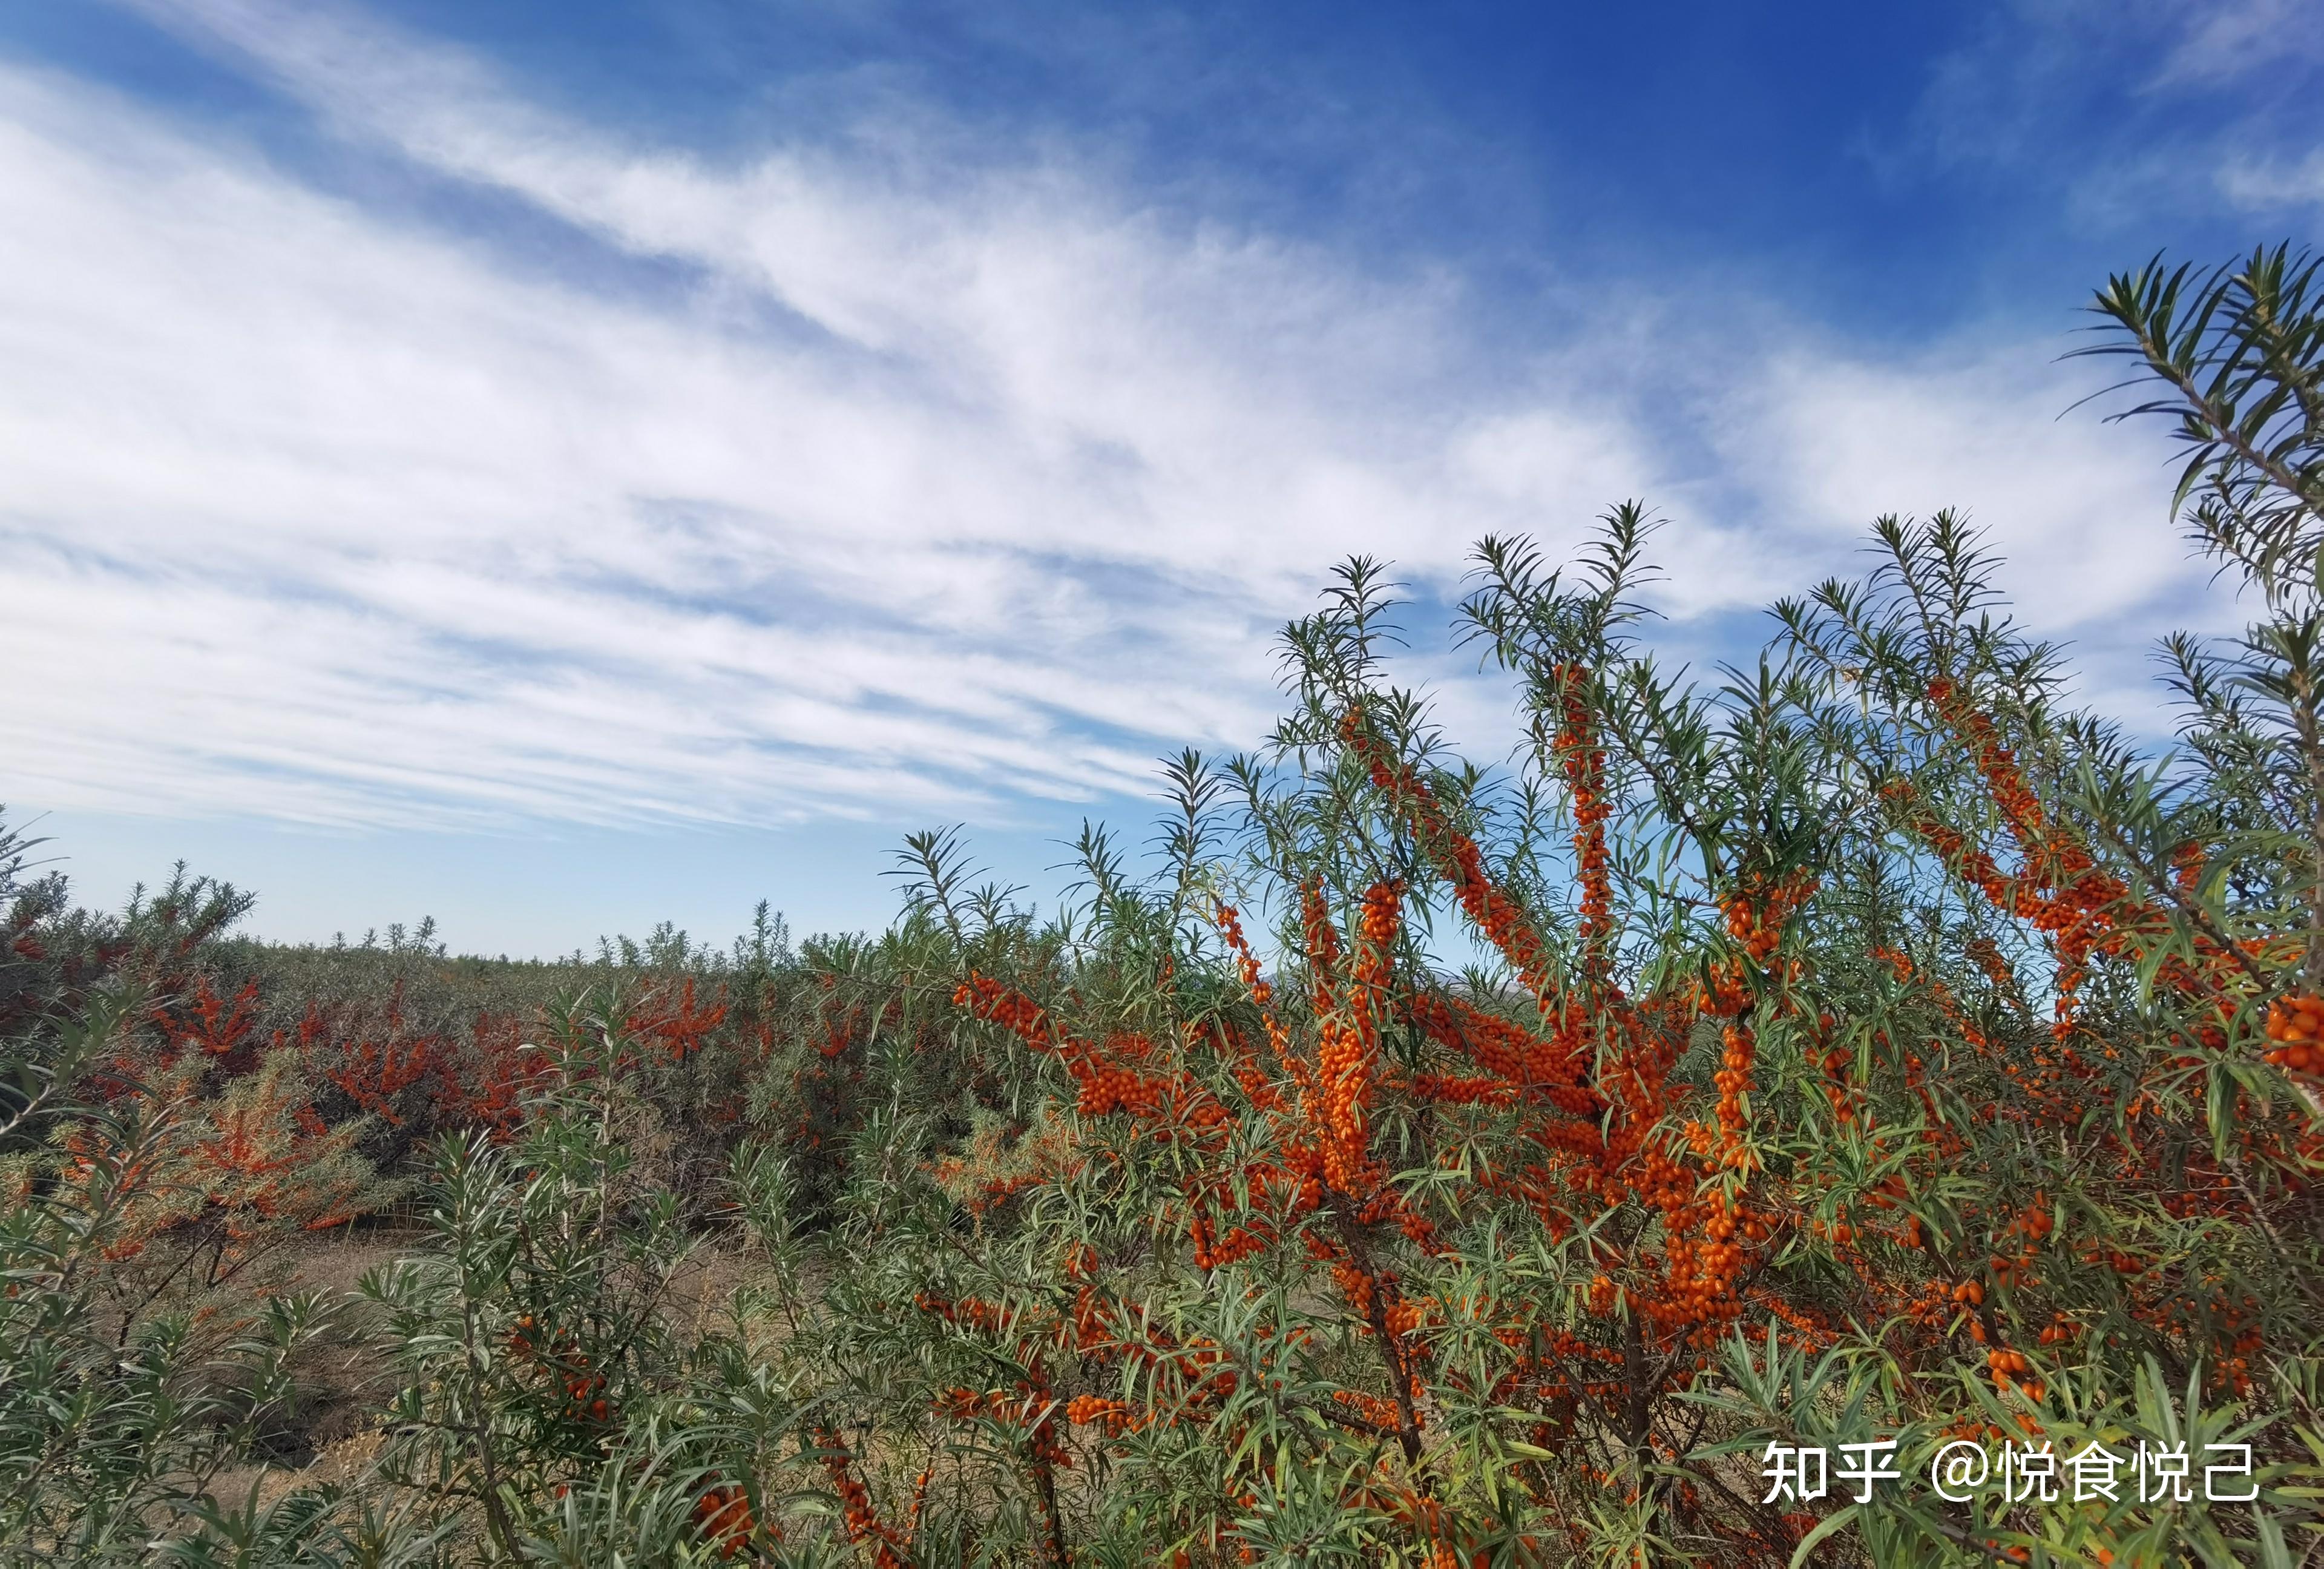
(561, 468)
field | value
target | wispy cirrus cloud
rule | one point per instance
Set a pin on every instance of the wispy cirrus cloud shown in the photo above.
(2176, 107)
(933, 480)
(2234, 41)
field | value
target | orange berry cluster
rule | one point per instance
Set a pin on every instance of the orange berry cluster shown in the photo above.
(1583, 761)
(530, 1342)
(2036, 1222)
(2058, 887)
(1261, 993)
(1213, 1252)
(1373, 1410)
(863, 1521)
(1837, 1092)
(489, 1084)
(1347, 1058)
(2060, 1331)
(1733, 1081)
(2296, 1023)
(673, 1020)
(1117, 1416)
(1533, 1066)
(1457, 1091)
(1500, 919)
(1104, 1085)
(1180, 1108)
(214, 1028)
(971, 1311)
(1756, 916)
(724, 1514)
(1028, 1407)
(372, 1074)
(2009, 1369)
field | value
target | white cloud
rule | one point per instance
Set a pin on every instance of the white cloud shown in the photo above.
(2077, 510)
(2231, 40)
(345, 518)
(2253, 183)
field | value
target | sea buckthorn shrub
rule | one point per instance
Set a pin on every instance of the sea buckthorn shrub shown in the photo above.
(547, 1391)
(162, 1166)
(1823, 1124)
(1414, 1162)
(1870, 1047)
(132, 1373)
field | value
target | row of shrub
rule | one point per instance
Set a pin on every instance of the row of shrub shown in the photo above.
(1862, 1054)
